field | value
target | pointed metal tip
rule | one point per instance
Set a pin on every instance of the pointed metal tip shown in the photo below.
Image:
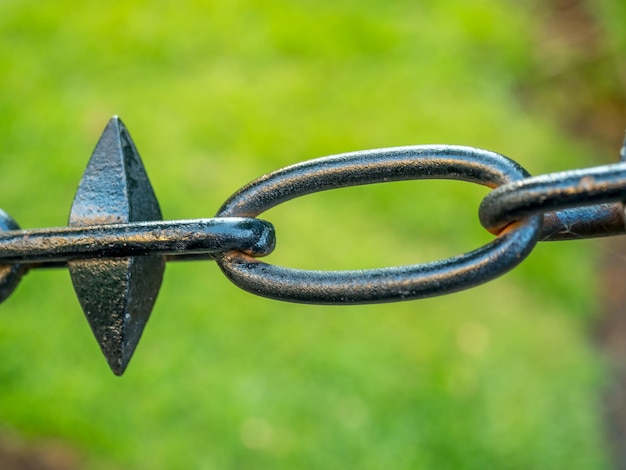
(120, 351)
(117, 122)
(113, 125)
(118, 370)
(119, 364)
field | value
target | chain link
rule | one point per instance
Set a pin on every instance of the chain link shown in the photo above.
(116, 246)
(582, 194)
(386, 284)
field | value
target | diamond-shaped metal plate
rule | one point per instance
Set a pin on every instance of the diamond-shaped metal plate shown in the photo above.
(117, 294)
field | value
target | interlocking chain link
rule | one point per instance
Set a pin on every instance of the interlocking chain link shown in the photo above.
(116, 246)
(386, 284)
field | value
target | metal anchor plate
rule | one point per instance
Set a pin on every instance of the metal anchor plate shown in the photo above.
(116, 294)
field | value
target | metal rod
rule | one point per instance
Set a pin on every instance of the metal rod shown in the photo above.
(174, 238)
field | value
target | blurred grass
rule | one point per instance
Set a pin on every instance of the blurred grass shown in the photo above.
(216, 94)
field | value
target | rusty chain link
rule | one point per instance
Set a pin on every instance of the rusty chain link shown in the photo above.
(116, 244)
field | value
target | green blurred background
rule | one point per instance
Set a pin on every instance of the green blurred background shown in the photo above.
(216, 94)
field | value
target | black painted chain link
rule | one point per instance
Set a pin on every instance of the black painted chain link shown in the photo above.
(116, 245)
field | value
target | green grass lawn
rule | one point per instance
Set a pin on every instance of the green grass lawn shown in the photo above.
(218, 93)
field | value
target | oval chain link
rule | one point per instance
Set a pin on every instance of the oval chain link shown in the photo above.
(384, 284)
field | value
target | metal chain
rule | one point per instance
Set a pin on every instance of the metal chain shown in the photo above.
(116, 245)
